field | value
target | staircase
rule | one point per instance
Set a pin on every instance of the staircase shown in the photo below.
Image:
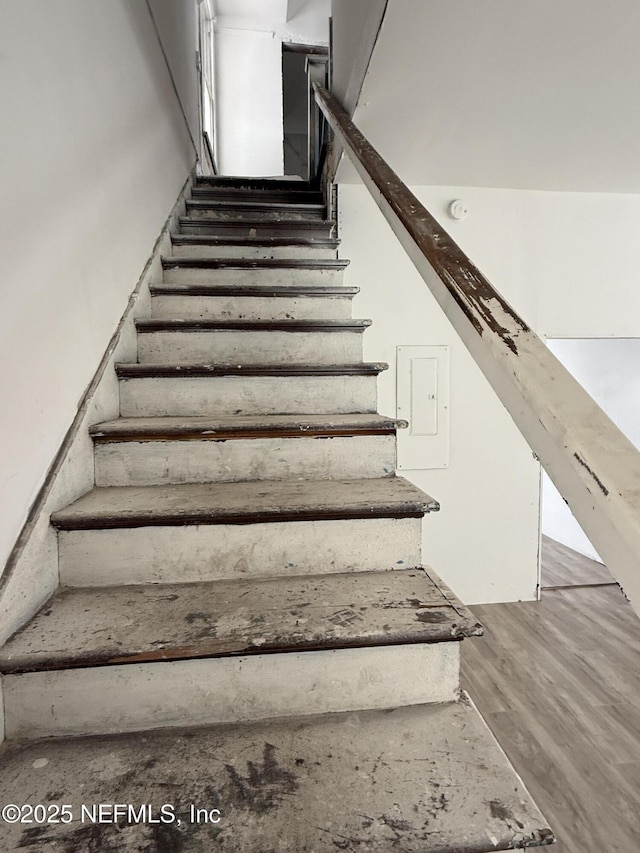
(244, 640)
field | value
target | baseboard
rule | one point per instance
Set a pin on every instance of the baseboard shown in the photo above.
(30, 576)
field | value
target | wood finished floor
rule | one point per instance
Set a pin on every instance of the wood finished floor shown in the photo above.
(558, 681)
(562, 566)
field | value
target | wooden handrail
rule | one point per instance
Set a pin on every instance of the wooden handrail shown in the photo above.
(592, 463)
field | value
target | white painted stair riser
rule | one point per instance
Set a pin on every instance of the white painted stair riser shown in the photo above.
(208, 552)
(255, 252)
(248, 395)
(156, 462)
(269, 277)
(249, 347)
(200, 692)
(250, 307)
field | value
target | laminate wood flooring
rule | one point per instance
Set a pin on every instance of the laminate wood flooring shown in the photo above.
(558, 681)
(562, 566)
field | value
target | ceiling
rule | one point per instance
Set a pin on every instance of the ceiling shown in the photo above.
(305, 21)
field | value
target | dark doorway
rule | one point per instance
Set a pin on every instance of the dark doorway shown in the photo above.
(294, 112)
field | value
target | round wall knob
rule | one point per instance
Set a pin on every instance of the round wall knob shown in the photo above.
(458, 209)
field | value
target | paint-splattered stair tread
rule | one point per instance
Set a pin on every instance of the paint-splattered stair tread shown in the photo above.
(421, 779)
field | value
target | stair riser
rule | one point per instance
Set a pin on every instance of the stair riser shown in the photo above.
(250, 308)
(145, 463)
(202, 250)
(223, 551)
(247, 395)
(275, 215)
(259, 347)
(276, 197)
(221, 228)
(276, 277)
(253, 184)
(201, 692)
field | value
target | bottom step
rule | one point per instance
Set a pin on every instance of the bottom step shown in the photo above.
(425, 779)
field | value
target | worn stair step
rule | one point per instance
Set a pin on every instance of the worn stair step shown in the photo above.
(203, 245)
(260, 195)
(254, 210)
(84, 641)
(244, 503)
(150, 390)
(259, 228)
(250, 341)
(419, 779)
(142, 624)
(155, 451)
(251, 302)
(187, 533)
(243, 182)
(268, 272)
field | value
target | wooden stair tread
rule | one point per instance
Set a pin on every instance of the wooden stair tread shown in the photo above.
(281, 225)
(132, 370)
(215, 289)
(239, 426)
(419, 779)
(242, 182)
(237, 204)
(170, 263)
(232, 194)
(179, 325)
(244, 503)
(266, 242)
(137, 624)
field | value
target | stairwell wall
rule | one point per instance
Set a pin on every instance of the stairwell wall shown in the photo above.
(550, 255)
(93, 154)
(177, 25)
(356, 24)
(484, 542)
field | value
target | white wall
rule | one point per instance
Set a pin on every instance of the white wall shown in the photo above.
(249, 101)
(249, 36)
(536, 95)
(569, 264)
(307, 22)
(484, 541)
(93, 153)
(177, 25)
(355, 29)
(609, 369)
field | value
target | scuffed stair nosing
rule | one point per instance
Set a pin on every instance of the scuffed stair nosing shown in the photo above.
(244, 503)
(132, 370)
(178, 325)
(241, 182)
(256, 242)
(144, 429)
(208, 203)
(247, 290)
(115, 625)
(170, 263)
(295, 225)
